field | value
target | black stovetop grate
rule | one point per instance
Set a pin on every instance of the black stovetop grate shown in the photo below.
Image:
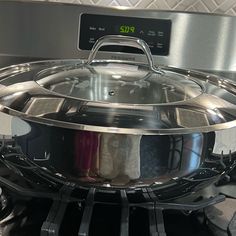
(94, 210)
(47, 217)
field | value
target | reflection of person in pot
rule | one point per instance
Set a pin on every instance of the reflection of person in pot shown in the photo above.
(86, 154)
(120, 157)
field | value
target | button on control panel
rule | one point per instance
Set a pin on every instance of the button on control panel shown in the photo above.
(155, 32)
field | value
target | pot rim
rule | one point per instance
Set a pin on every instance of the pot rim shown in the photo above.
(91, 128)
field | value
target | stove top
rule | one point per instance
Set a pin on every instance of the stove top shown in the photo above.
(38, 205)
(93, 212)
(32, 218)
(47, 217)
(33, 203)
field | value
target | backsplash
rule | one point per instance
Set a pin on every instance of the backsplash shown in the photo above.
(213, 6)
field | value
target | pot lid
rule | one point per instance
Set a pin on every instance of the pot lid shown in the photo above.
(124, 83)
(118, 96)
(119, 82)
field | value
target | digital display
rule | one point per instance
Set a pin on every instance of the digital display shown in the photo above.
(155, 32)
(127, 29)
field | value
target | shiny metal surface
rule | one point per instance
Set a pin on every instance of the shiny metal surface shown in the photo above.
(174, 165)
(198, 41)
(213, 109)
(48, 130)
(123, 41)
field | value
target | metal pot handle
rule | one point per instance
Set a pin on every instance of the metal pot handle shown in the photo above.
(123, 41)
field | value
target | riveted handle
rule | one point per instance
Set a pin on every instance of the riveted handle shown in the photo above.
(121, 40)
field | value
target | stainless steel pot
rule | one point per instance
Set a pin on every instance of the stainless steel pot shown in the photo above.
(116, 124)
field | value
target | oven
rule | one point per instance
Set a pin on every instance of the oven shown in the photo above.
(42, 31)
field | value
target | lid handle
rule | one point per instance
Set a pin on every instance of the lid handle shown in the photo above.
(123, 41)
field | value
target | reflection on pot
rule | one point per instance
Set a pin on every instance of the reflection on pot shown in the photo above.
(43, 106)
(118, 160)
(120, 157)
(86, 154)
(172, 155)
(11, 126)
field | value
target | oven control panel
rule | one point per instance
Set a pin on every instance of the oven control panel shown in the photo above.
(155, 32)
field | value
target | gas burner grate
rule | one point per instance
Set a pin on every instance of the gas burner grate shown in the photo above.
(99, 209)
(91, 208)
(90, 205)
